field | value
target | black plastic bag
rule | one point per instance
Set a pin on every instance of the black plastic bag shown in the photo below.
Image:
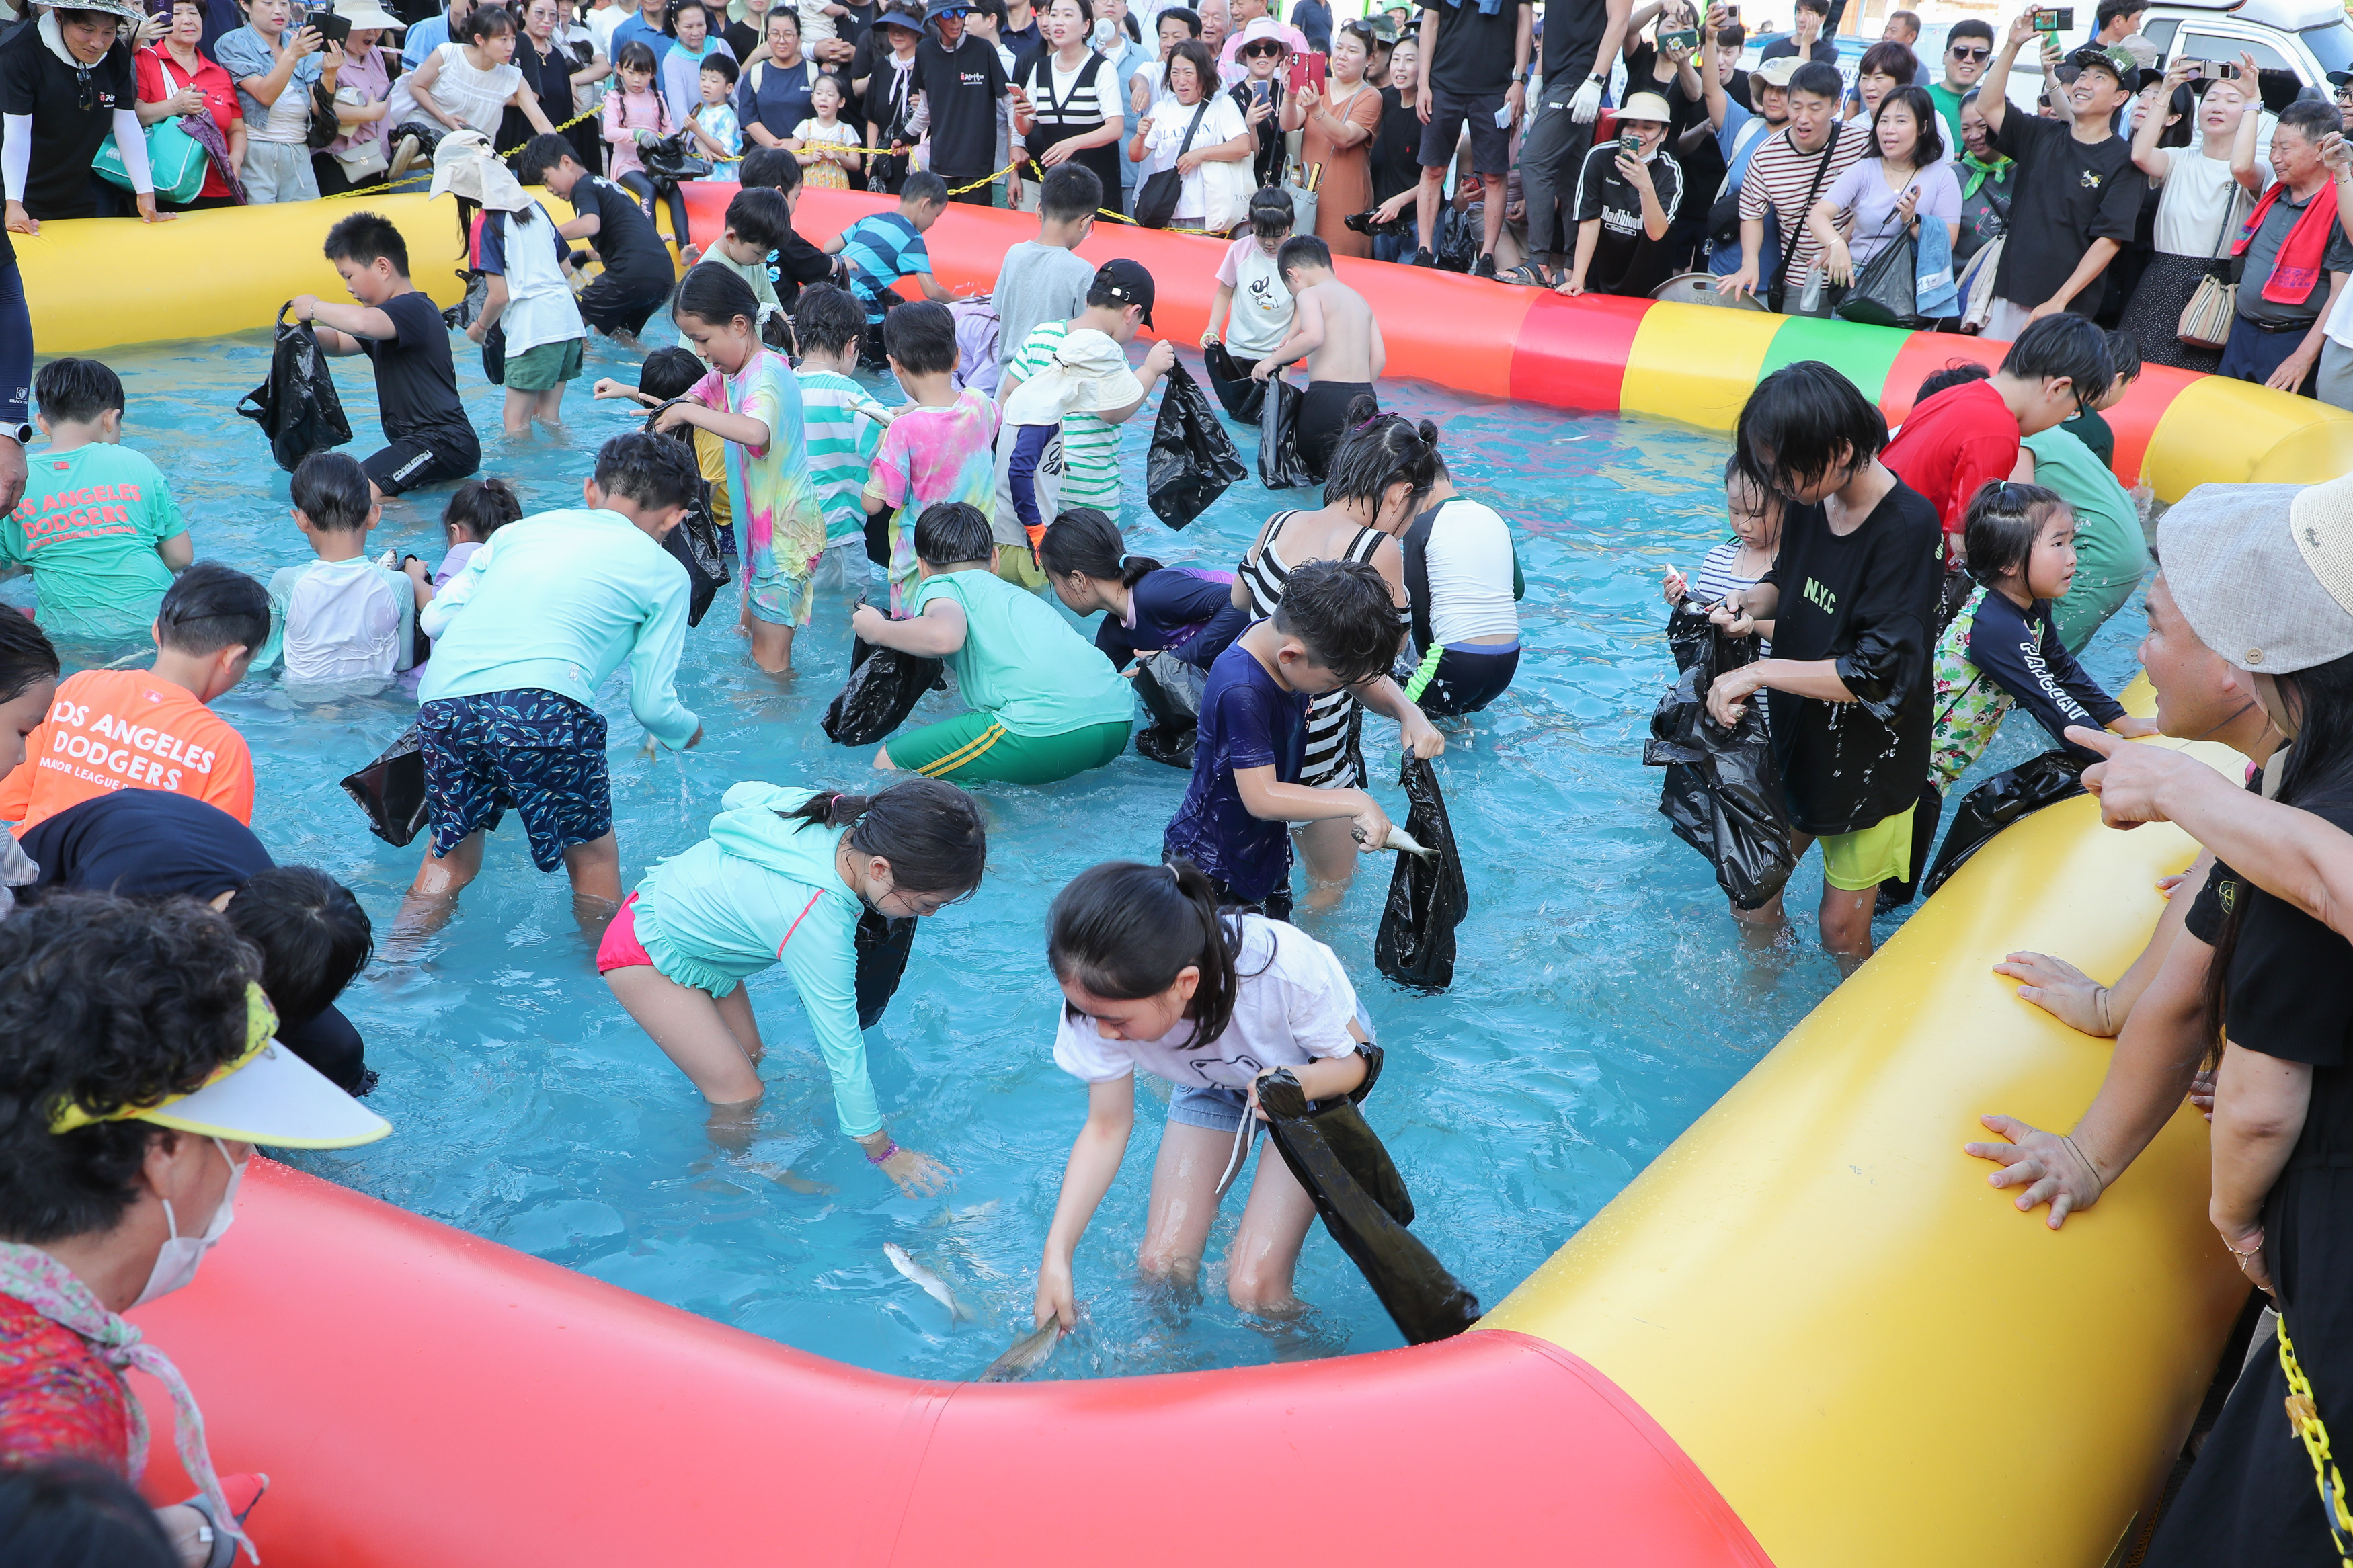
(1415, 945)
(883, 944)
(477, 299)
(1722, 793)
(391, 790)
(1192, 460)
(1280, 466)
(2005, 798)
(694, 542)
(1357, 1189)
(673, 160)
(298, 407)
(1230, 379)
(1171, 692)
(883, 688)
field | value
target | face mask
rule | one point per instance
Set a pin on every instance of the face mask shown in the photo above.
(177, 1264)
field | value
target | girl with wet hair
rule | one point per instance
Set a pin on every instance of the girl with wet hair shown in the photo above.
(1186, 611)
(785, 878)
(1155, 976)
(1463, 575)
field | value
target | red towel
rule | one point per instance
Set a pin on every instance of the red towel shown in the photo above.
(2297, 270)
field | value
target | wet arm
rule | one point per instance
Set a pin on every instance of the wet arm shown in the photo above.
(1093, 1165)
(1270, 801)
(937, 633)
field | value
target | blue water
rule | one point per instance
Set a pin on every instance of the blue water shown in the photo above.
(1602, 1001)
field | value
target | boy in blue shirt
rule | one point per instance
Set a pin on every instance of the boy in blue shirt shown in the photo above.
(1337, 625)
(886, 247)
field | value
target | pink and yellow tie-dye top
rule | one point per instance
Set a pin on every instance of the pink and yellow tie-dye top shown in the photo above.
(929, 456)
(770, 489)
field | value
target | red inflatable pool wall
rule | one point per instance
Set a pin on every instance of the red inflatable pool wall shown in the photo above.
(422, 1397)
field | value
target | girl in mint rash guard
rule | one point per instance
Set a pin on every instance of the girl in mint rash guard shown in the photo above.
(2003, 649)
(783, 878)
(1155, 976)
(1184, 611)
(751, 401)
(1043, 707)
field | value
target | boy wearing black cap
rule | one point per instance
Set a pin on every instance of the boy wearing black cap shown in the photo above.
(1336, 331)
(2076, 199)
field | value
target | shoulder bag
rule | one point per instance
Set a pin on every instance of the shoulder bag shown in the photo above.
(1779, 293)
(176, 158)
(1156, 199)
(2214, 303)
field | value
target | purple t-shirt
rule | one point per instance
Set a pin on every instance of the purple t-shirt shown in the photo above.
(1185, 610)
(1247, 721)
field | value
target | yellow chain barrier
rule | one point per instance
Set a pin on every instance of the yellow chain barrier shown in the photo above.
(2304, 1417)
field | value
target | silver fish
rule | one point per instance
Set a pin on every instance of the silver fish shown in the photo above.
(932, 1284)
(1402, 842)
(1031, 1351)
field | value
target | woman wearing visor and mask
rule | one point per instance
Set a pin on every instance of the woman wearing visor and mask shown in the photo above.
(137, 1072)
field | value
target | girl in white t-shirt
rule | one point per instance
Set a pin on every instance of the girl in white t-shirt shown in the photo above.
(1155, 976)
(1251, 304)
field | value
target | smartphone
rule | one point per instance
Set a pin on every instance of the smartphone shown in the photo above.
(2054, 19)
(1629, 144)
(1308, 71)
(334, 29)
(1683, 38)
(1259, 90)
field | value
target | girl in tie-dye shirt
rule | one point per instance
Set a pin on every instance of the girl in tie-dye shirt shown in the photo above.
(752, 401)
(940, 449)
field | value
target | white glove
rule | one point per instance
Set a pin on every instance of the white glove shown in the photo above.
(1587, 103)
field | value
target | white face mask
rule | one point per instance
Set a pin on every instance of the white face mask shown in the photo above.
(177, 1264)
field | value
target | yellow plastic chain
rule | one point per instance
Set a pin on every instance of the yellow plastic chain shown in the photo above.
(2303, 1417)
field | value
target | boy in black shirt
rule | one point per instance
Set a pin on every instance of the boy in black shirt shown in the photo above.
(1852, 596)
(402, 331)
(637, 274)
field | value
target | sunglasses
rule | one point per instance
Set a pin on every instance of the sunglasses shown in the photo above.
(1263, 52)
(1959, 53)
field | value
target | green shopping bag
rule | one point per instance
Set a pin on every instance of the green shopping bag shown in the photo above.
(176, 158)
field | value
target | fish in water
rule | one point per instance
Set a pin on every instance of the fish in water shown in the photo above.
(1031, 1351)
(1404, 843)
(932, 1284)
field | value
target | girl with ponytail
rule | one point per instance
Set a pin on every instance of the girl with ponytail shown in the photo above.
(752, 402)
(1155, 976)
(784, 879)
(1148, 608)
(1463, 574)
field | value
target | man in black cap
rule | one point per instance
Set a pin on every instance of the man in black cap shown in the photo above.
(960, 82)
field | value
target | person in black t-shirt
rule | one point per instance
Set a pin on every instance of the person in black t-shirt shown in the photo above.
(1581, 39)
(2075, 199)
(1474, 71)
(1807, 42)
(795, 264)
(313, 935)
(65, 112)
(961, 81)
(637, 274)
(402, 332)
(1625, 204)
(1852, 596)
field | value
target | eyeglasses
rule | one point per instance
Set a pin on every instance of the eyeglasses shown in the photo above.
(1959, 53)
(2345, 95)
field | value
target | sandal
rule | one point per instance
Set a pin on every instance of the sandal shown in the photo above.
(241, 1492)
(1527, 275)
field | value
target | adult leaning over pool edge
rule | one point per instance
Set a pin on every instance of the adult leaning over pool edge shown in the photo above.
(66, 86)
(137, 1072)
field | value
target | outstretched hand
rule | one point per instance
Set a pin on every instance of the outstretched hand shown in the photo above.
(2129, 779)
(2048, 1165)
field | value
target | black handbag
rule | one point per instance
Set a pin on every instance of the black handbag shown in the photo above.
(1156, 199)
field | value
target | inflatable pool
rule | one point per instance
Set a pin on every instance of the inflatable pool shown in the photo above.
(1809, 1333)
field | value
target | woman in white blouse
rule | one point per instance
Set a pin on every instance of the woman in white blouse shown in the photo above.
(1217, 134)
(2205, 190)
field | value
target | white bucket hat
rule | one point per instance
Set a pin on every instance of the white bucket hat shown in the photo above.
(465, 164)
(1087, 374)
(2264, 573)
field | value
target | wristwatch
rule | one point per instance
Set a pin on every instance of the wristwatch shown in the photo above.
(20, 433)
(1519, 75)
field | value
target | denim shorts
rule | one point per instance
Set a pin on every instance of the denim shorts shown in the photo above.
(1218, 1109)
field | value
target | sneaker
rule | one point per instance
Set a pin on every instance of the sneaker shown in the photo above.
(1485, 267)
(404, 157)
(1422, 257)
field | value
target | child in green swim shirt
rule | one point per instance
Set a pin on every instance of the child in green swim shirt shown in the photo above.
(1046, 705)
(96, 527)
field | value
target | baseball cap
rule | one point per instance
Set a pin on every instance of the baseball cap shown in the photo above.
(2116, 61)
(1777, 72)
(1645, 106)
(266, 1095)
(2340, 79)
(1127, 282)
(2264, 573)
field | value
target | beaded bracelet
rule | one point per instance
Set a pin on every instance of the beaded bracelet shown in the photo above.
(888, 1150)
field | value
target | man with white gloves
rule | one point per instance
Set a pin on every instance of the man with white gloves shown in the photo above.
(1581, 42)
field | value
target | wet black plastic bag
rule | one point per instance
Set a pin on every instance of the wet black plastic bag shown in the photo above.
(1192, 460)
(883, 944)
(883, 688)
(298, 407)
(1722, 793)
(1280, 466)
(1171, 692)
(1229, 378)
(1415, 945)
(694, 542)
(1357, 1189)
(391, 790)
(2005, 798)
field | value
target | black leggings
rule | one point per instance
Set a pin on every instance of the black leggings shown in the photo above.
(1469, 676)
(16, 346)
(645, 187)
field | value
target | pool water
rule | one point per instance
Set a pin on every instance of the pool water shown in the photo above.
(1602, 1000)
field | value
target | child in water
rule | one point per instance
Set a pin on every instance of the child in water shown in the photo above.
(1042, 708)
(479, 508)
(936, 450)
(1184, 611)
(672, 373)
(1155, 976)
(783, 880)
(341, 619)
(1742, 561)
(751, 401)
(2003, 647)
(845, 426)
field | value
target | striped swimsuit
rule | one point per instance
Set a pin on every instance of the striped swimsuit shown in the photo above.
(1335, 721)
